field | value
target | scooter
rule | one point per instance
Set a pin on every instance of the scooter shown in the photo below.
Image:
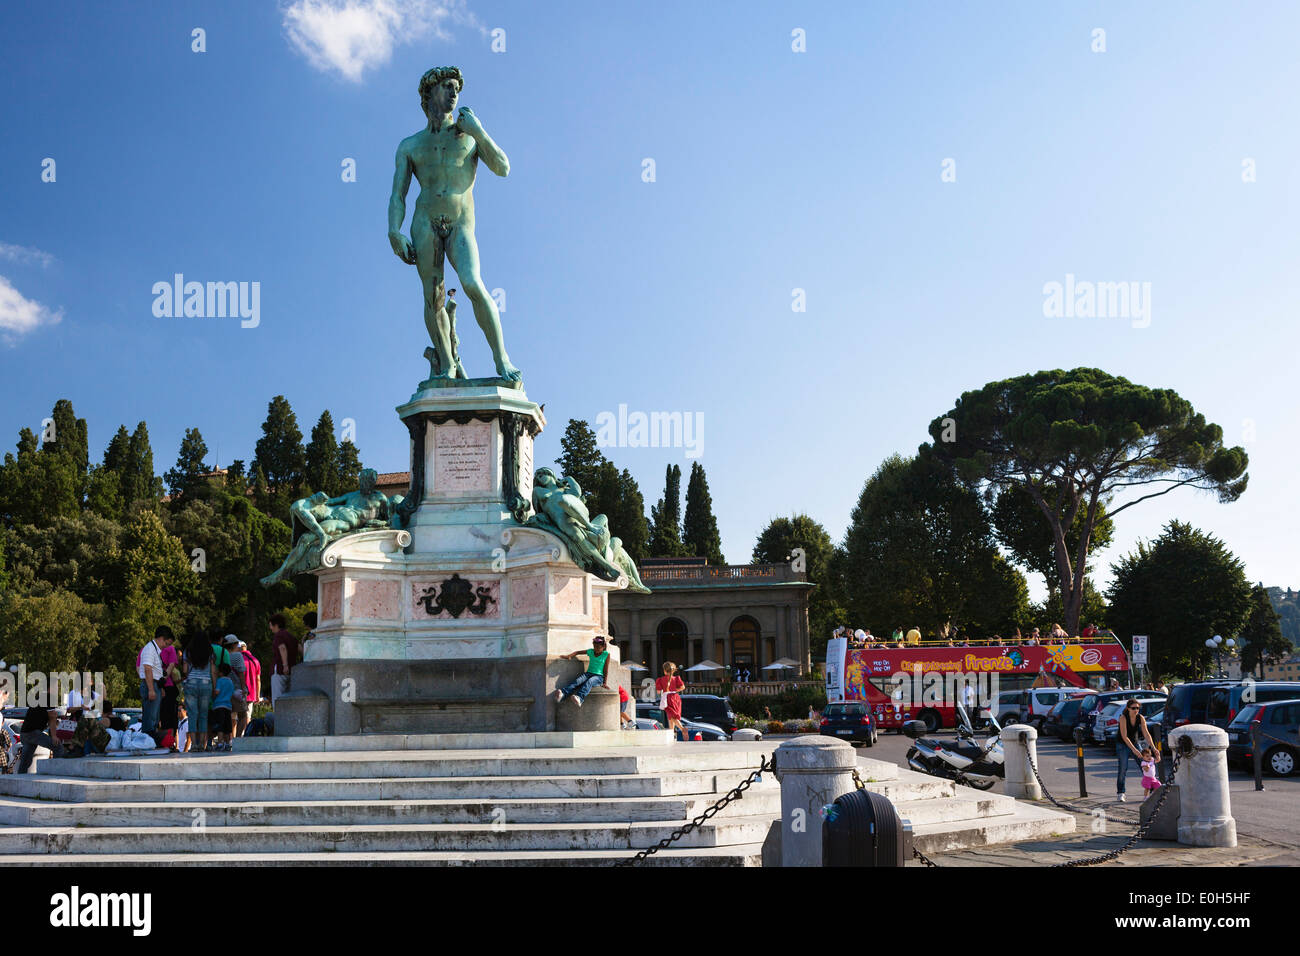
(961, 760)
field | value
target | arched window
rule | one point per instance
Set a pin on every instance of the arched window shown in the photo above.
(745, 634)
(671, 645)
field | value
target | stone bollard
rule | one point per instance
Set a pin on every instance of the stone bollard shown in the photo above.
(1205, 817)
(1020, 782)
(813, 772)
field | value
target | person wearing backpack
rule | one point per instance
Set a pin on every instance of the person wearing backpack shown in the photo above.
(238, 667)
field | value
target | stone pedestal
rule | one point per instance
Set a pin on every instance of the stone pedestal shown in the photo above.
(1019, 744)
(813, 771)
(1205, 809)
(455, 622)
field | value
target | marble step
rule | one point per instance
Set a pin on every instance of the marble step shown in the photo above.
(744, 854)
(1026, 822)
(515, 763)
(758, 799)
(720, 831)
(596, 786)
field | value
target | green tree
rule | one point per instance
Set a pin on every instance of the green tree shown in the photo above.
(580, 458)
(49, 632)
(628, 520)
(1073, 440)
(699, 527)
(140, 487)
(1051, 611)
(349, 468)
(280, 455)
(777, 544)
(40, 483)
(1180, 589)
(190, 471)
(665, 518)
(1261, 636)
(1020, 529)
(322, 458)
(80, 554)
(919, 551)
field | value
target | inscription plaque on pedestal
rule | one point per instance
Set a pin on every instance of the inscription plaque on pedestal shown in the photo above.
(462, 457)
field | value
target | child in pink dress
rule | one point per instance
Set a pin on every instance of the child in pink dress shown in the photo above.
(1149, 761)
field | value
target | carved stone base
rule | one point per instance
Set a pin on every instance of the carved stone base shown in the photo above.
(456, 623)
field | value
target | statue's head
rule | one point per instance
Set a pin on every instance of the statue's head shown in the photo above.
(367, 480)
(439, 89)
(544, 478)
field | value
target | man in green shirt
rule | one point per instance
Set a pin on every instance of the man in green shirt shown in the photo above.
(597, 668)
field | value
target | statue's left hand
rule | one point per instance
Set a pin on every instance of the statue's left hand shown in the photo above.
(467, 122)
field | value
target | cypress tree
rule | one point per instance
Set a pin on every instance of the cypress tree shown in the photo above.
(700, 527)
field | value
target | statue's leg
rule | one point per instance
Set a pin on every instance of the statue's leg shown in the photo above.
(462, 250)
(429, 253)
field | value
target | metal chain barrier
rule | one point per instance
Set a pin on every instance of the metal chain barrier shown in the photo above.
(681, 831)
(1033, 765)
(1177, 755)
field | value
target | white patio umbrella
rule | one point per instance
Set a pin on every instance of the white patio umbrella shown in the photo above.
(781, 664)
(635, 667)
(705, 666)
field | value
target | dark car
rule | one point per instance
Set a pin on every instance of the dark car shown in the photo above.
(1062, 719)
(709, 709)
(1279, 722)
(1228, 701)
(849, 720)
(1188, 702)
(707, 731)
(1095, 703)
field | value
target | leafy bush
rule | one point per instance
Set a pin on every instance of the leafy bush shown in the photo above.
(774, 727)
(789, 704)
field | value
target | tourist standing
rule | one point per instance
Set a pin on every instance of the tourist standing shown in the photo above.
(171, 661)
(309, 619)
(284, 654)
(239, 699)
(200, 676)
(150, 669)
(223, 698)
(252, 675)
(670, 687)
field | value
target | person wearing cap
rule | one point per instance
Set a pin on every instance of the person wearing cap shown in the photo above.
(238, 669)
(594, 676)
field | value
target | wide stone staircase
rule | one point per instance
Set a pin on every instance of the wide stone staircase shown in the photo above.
(558, 807)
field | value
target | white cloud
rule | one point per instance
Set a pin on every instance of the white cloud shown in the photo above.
(25, 254)
(349, 37)
(20, 315)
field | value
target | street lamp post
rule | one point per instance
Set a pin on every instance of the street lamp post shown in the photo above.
(1216, 644)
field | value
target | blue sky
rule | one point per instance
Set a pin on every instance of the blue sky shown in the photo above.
(775, 170)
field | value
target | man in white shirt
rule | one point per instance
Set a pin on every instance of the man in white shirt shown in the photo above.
(151, 675)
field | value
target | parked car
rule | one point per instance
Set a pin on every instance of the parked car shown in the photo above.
(1094, 702)
(1278, 719)
(1105, 730)
(1188, 702)
(645, 723)
(1227, 701)
(1041, 700)
(1062, 719)
(1009, 705)
(709, 709)
(645, 709)
(849, 720)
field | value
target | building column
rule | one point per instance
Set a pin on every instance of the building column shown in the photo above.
(634, 647)
(708, 634)
(782, 633)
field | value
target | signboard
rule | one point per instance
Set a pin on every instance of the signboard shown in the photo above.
(835, 651)
(1139, 648)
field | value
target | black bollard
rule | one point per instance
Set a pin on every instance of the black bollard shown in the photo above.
(1255, 731)
(1078, 744)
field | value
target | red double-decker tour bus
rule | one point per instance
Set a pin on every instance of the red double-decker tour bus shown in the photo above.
(902, 683)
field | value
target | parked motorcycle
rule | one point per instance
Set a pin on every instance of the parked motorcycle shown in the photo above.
(962, 760)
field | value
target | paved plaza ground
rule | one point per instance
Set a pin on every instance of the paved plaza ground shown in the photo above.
(1267, 833)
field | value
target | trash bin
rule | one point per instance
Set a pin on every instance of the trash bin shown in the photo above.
(862, 828)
